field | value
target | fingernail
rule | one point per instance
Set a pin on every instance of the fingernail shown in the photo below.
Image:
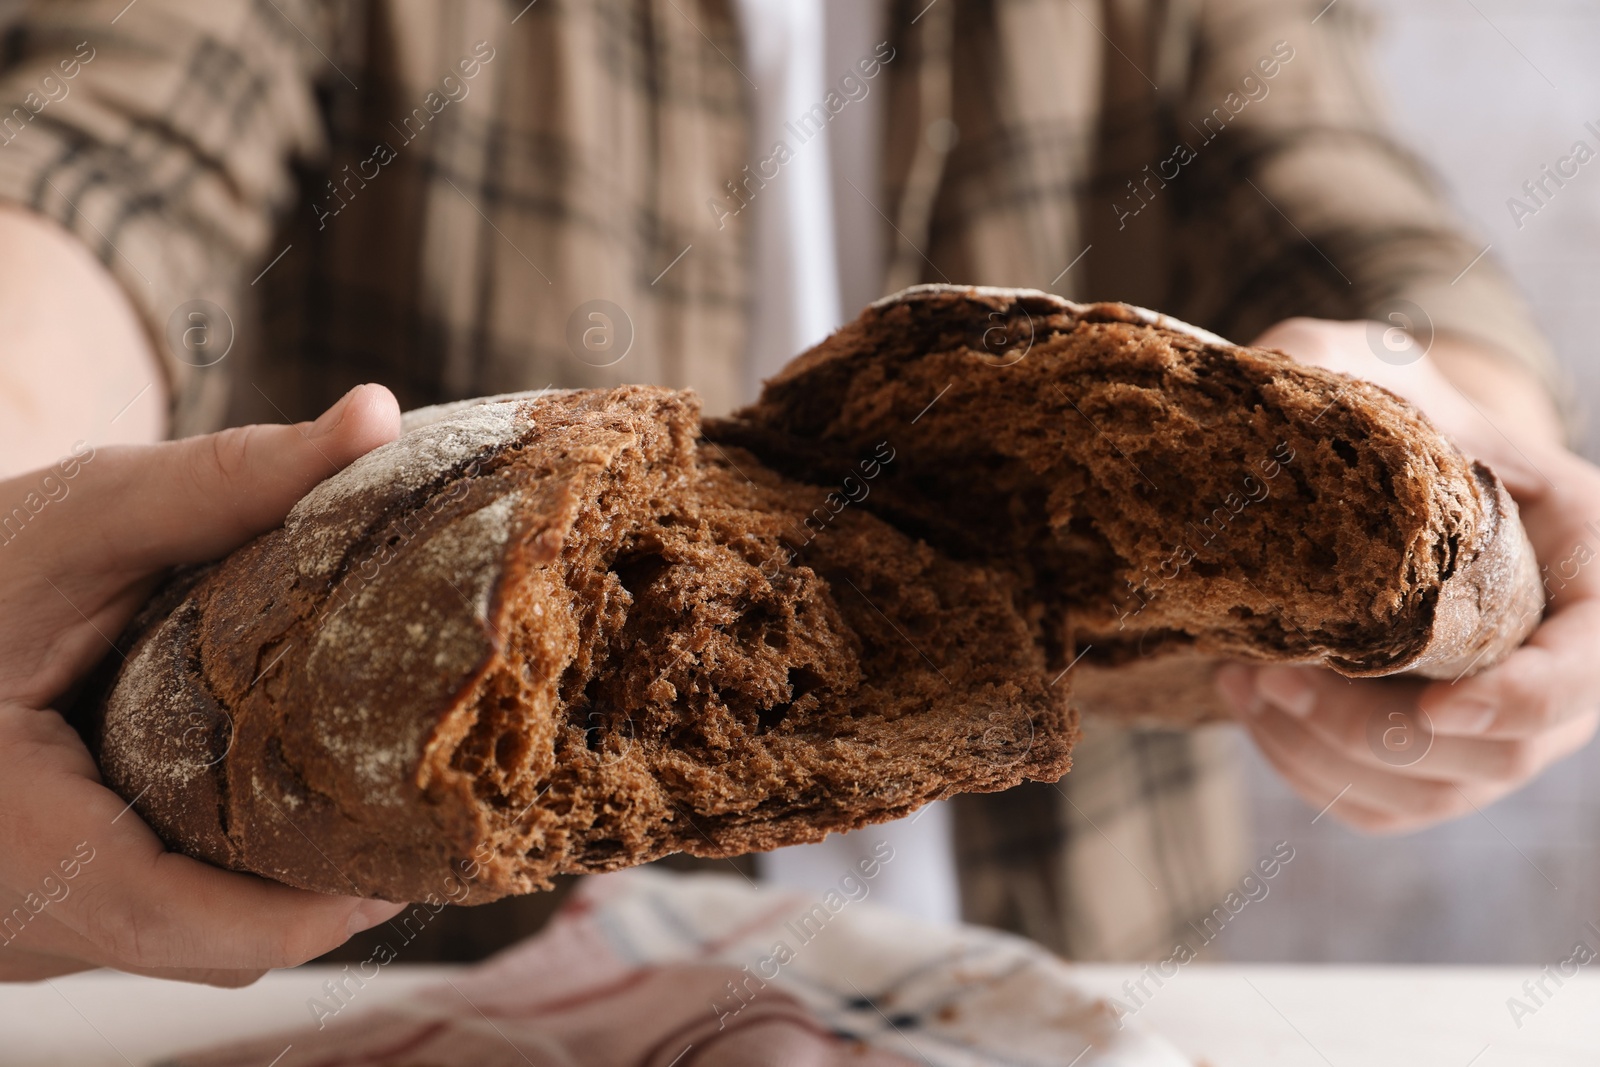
(1237, 685)
(1463, 717)
(370, 913)
(329, 420)
(1287, 688)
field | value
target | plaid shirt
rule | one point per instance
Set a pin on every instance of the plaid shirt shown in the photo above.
(425, 194)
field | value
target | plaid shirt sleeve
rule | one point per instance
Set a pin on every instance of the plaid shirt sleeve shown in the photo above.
(164, 143)
(1297, 199)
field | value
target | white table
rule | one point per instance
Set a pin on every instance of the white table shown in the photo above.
(1223, 1016)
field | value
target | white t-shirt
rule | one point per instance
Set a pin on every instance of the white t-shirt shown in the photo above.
(819, 256)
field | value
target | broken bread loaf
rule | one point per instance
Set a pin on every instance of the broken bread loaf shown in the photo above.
(574, 632)
(1165, 498)
(561, 634)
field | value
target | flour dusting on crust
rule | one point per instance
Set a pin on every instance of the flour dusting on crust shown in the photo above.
(329, 517)
(456, 566)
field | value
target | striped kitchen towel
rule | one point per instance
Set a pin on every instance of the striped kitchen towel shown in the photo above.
(649, 969)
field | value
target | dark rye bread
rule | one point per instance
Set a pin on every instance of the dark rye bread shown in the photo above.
(560, 634)
(1167, 497)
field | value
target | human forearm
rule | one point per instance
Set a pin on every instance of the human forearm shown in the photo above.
(75, 362)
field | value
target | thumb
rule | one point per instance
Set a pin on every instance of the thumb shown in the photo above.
(145, 507)
(83, 541)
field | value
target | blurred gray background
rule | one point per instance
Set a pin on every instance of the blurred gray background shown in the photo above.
(1487, 91)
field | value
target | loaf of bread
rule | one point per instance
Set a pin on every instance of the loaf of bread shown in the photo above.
(577, 631)
(1167, 498)
(560, 634)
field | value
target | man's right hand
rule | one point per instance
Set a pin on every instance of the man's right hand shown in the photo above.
(83, 881)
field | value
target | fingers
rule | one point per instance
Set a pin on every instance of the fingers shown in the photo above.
(1552, 679)
(1330, 798)
(1555, 676)
(1377, 723)
(146, 908)
(21, 965)
(1560, 510)
(92, 866)
(146, 507)
(1330, 771)
(1369, 742)
(151, 909)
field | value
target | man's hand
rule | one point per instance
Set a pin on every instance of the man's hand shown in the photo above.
(1483, 736)
(83, 881)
